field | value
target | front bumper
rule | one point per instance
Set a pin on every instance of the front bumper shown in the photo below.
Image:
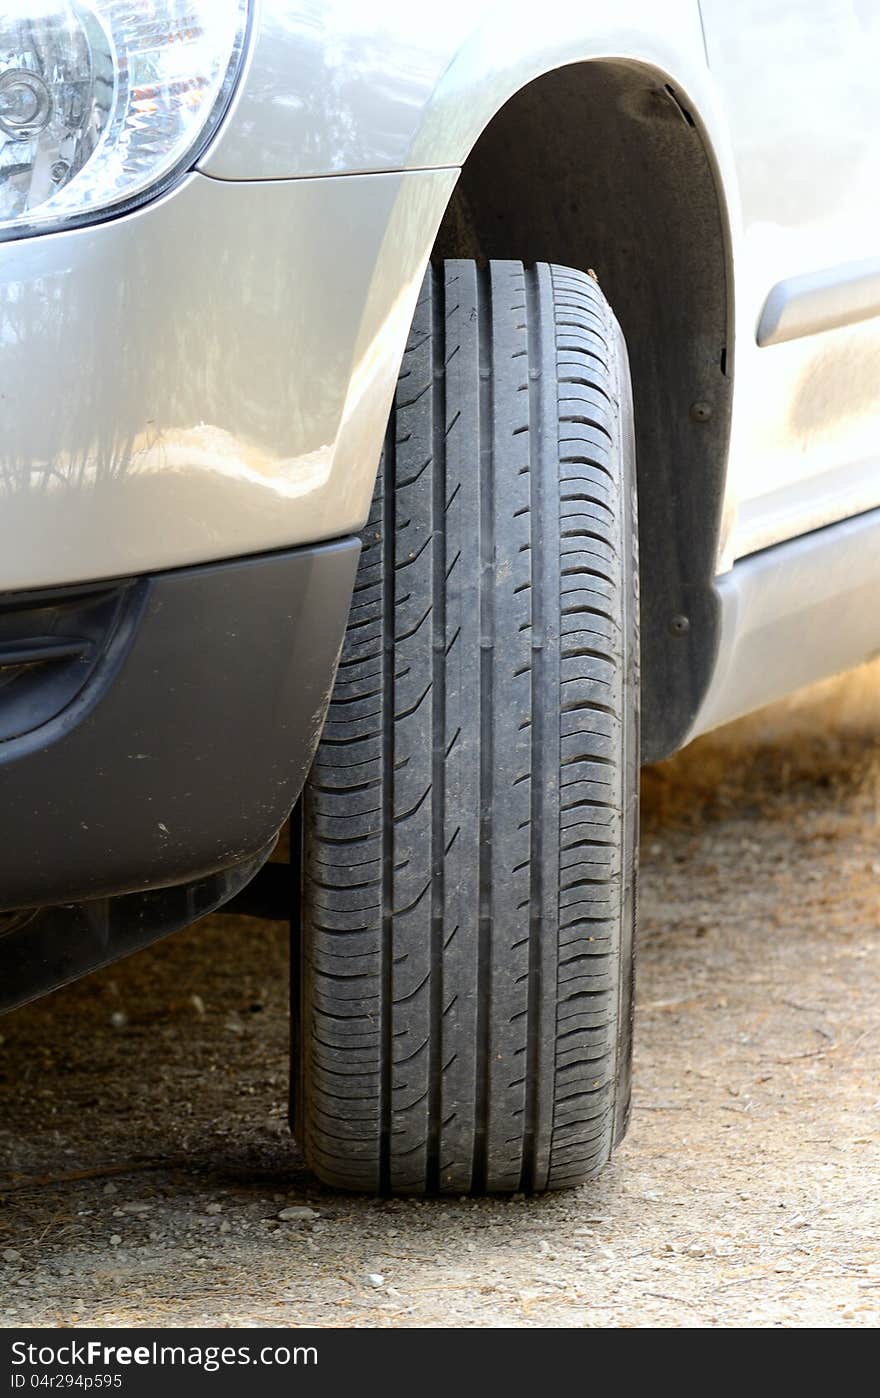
(179, 757)
(207, 377)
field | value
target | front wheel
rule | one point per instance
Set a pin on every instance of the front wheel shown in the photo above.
(470, 823)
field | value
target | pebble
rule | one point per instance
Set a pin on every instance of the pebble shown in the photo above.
(297, 1213)
(11, 1255)
(115, 1240)
(214, 1208)
(119, 1019)
(375, 1279)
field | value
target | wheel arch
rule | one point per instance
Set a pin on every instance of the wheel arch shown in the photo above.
(606, 165)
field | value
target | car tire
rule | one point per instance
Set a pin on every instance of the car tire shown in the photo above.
(469, 855)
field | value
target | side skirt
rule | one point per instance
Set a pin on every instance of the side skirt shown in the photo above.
(794, 614)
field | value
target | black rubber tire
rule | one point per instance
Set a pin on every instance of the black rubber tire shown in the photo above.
(470, 822)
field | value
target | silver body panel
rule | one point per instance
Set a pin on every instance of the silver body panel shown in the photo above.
(786, 97)
(337, 85)
(207, 377)
(210, 376)
(798, 85)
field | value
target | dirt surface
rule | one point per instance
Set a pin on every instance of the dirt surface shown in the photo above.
(145, 1161)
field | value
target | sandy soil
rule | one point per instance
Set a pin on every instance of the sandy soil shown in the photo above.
(144, 1157)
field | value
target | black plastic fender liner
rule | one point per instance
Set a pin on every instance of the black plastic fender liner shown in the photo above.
(186, 748)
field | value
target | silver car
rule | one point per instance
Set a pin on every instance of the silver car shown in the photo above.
(341, 346)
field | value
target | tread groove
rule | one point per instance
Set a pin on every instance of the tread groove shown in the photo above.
(529, 1173)
(485, 468)
(438, 752)
(389, 536)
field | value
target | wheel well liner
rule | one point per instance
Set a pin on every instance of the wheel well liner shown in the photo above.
(602, 166)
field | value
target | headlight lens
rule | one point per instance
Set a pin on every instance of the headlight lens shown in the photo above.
(102, 103)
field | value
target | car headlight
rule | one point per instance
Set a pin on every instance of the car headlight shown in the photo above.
(102, 102)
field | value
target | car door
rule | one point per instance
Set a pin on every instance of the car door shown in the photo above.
(799, 82)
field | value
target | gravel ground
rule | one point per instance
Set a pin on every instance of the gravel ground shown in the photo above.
(147, 1177)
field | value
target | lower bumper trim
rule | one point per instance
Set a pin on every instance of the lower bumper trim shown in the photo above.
(186, 748)
(50, 947)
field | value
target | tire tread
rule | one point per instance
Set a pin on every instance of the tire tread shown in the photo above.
(465, 867)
